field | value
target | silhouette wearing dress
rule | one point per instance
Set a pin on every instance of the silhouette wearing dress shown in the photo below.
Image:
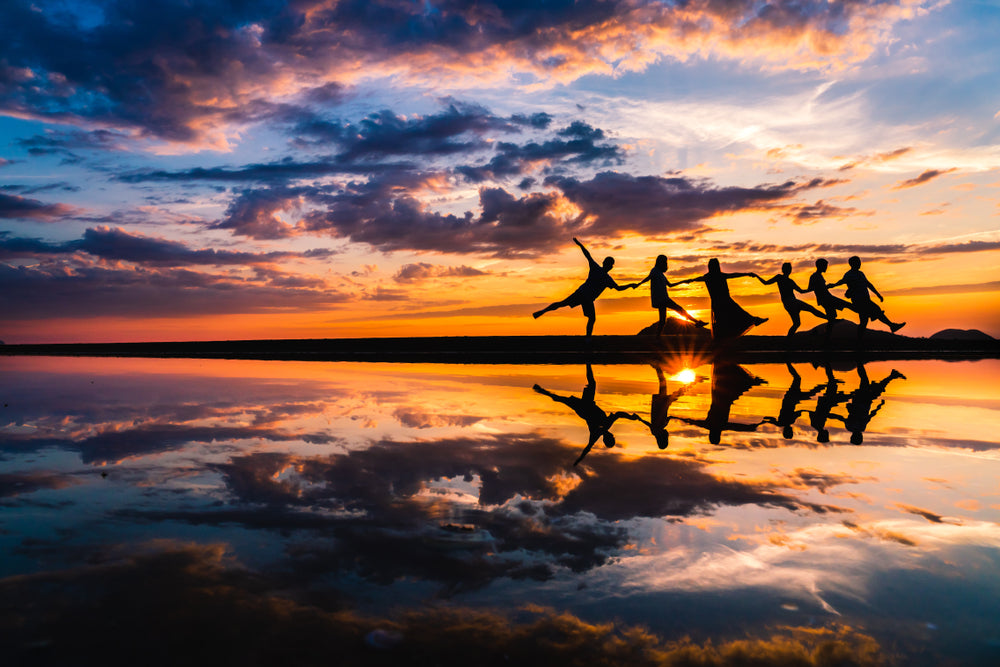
(659, 298)
(729, 382)
(859, 290)
(598, 279)
(729, 320)
(598, 421)
(859, 409)
(787, 288)
(794, 395)
(828, 302)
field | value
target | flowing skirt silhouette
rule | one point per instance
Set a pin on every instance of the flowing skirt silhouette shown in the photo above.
(729, 320)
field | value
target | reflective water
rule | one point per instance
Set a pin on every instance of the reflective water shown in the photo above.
(235, 510)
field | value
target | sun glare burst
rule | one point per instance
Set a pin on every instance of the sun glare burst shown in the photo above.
(686, 376)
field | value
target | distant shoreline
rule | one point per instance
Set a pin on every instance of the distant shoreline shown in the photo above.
(529, 349)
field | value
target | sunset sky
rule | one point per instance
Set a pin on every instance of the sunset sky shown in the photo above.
(173, 170)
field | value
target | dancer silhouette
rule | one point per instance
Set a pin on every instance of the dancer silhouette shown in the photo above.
(859, 409)
(858, 288)
(828, 302)
(787, 289)
(729, 381)
(598, 279)
(789, 413)
(598, 421)
(659, 409)
(728, 319)
(658, 297)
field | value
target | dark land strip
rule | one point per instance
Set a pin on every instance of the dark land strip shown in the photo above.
(534, 349)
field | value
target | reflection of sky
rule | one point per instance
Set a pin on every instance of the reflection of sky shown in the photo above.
(327, 473)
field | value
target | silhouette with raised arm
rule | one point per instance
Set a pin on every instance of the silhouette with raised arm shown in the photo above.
(598, 279)
(828, 302)
(729, 381)
(659, 298)
(789, 412)
(787, 289)
(859, 409)
(825, 404)
(659, 409)
(728, 319)
(598, 421)
(858, 288)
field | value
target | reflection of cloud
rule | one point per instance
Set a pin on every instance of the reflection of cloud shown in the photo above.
(203, 601)
(16, 484)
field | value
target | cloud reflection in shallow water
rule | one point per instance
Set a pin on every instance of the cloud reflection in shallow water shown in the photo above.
(383, 485)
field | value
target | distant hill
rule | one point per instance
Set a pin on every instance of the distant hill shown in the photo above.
(678, 327)
(962, 334)
(844, 329)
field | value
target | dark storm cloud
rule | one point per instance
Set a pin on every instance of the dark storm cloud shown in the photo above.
(66, 141)
(117, 244)
(22, 208)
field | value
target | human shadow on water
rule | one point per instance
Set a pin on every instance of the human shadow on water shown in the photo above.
(825, 403)
(659, 408)
(794, 395)
(598, 421)
(859, 409)
(729, 382)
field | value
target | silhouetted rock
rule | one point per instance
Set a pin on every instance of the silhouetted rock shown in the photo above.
(843, 329)
(677, 327)
(962, 334)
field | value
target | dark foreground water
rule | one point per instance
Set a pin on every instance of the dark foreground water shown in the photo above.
(245, 512)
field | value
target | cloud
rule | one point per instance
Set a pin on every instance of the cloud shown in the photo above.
(924, 177)
(205, 599)
(194, 75)
(615, 204)
(410, 273)
(22, 208)
(61, 289)
(116, 244)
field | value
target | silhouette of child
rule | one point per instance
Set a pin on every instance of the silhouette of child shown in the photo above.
(658, 297)
(598, 279)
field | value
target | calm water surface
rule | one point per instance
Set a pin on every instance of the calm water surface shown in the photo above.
(226, 511)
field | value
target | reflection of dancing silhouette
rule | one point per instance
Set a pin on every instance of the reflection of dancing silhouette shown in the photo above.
(858, 288)
(729, 381)
(659, 408)
(659, 298)
(787, 289)
(598, 421)
(598, 279)
(729, 320)
(828, 302)
(859, 410)
(789, 413)
(825, 404)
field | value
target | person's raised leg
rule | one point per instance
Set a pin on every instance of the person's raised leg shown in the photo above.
(551, 306)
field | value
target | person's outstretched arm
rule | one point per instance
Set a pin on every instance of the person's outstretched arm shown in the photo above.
(586, 253)
(727, 276)
(647, 279)
(872, 288)
(795, 286)
(688, 280)
(769, 281)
